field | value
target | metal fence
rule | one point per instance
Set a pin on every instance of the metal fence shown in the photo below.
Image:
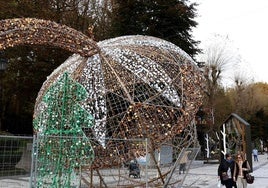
(15, 161)
(21, 164)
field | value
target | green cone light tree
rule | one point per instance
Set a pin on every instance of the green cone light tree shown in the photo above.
(63, 148)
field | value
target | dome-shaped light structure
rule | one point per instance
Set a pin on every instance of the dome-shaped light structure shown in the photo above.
(138, 86)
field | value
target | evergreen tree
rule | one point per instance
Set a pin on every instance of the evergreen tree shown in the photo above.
(171, 20)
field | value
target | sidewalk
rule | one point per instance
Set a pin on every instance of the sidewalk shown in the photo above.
(200, 176)
(205, 175)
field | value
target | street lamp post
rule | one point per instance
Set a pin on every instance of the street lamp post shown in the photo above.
(3, 65)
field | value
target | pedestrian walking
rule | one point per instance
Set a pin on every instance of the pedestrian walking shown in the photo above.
(240, 170)
(266, 151)
(183, 162)
(255, 155)
(226, 171)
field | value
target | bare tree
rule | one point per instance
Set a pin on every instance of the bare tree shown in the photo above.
(217, 56)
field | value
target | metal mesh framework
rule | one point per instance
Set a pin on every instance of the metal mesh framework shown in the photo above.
(139, 87)
(15, 32)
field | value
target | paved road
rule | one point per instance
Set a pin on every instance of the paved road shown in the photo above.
(205, 175)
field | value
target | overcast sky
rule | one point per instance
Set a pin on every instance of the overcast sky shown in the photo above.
(245, 22)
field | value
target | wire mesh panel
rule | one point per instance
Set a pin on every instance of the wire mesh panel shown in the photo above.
(57, 163)
(15, 161)
(53, 167)
(181, 167)
(51, 164)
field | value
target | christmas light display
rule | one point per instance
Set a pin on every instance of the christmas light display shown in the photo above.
(63, 147)
(139, 87)
(30, 31)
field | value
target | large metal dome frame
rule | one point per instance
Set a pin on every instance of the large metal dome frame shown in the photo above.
(139, 87)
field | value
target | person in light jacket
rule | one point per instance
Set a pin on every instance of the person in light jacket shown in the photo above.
(241, 169)
(255, 154)
(183, 161)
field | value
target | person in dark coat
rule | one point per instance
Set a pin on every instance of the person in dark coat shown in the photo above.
(226, 171)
